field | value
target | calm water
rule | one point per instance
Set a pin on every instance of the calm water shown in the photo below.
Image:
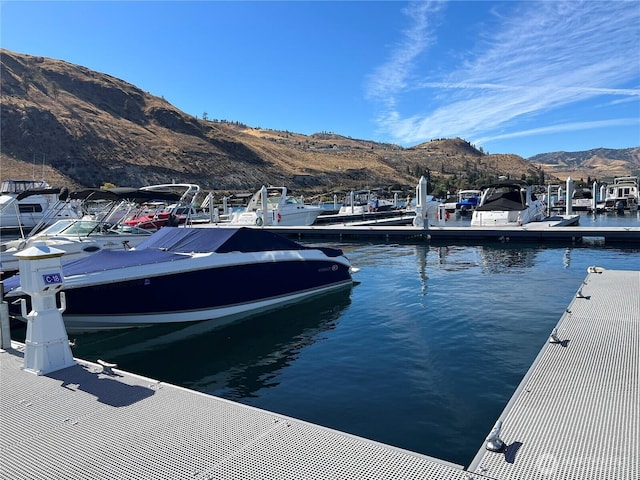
(423, 353)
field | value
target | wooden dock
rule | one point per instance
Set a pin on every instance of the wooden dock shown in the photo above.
(576, 414)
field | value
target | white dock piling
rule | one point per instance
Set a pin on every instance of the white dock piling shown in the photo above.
(421, 202)
(569, 202)
(5, 330)
(265, 206)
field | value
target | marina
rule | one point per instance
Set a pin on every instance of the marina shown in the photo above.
(221, 318)
(553, 426)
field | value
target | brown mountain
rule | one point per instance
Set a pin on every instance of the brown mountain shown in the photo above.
(602, 164)
(77, 127)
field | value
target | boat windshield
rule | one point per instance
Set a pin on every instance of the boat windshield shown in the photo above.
(56, 228)
(467, 194)
(85, 228)
(273, 200)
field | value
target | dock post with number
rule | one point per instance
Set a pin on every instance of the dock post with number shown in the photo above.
(47, 344)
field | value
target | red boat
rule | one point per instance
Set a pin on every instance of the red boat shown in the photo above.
(157, 214)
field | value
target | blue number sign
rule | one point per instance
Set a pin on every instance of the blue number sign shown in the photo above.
(52, 278)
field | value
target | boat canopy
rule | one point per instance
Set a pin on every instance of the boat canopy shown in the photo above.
(219, 240)
(124, 193)
(62, 192)
(503, 196)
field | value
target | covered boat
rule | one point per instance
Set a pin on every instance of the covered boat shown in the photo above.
(508, 203)
(183, 275)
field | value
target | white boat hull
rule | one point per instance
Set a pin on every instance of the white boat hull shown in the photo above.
(503, 218)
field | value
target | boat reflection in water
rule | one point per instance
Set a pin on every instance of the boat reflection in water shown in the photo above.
(234, 361)
(499, 258)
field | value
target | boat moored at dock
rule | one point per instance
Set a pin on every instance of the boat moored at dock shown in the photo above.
(361, 202)
(192, 274)
(101, 227)
(621, 195)
(24, 204)
(275, 206)
(508, 203)
(467, 201)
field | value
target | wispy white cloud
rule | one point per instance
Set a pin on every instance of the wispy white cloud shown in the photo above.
(392, 77)
(566, 127)
(538, 57)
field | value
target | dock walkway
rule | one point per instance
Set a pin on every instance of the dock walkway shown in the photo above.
(81, 423)
(575, 415)
(535, 232)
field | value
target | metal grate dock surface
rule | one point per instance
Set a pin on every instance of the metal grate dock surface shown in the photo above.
(576, 414)
(81, 423)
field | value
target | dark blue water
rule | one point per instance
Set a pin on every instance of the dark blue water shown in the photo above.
(423, 353)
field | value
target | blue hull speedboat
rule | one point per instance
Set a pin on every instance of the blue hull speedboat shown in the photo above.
(193, 274)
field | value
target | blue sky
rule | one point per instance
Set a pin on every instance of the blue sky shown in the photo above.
(512, 77)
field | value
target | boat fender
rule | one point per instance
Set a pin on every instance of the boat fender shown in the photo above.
(279, 217)
(259, 221)
(446, 215)
(594, 269)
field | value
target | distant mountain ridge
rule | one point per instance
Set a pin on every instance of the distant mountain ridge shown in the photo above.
(76, 127)
(601, 163)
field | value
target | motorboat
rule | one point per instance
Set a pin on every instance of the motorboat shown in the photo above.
(467, 201)
(77, 238)
(364, 201)
(193, 274)
(450, 203)
(582, 199)
(507, 203)
(157, 212)
(101, 226)
(27, 203)
(621, 195)
(275, 206)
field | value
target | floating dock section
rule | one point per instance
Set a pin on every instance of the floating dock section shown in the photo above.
(576, 414)
(86, 421)
(559, 230)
